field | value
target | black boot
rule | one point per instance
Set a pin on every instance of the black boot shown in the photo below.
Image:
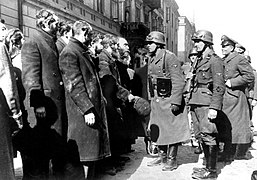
(171, 161)
(210, 171)
(198, 149)
(161, 159)
(241, 152)
(226, 154)
(205, 162)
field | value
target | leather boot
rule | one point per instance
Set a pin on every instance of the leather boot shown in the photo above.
(205, 162)
(210, 171)
(241, 152)
(161, 159)
(172, 155)
(225, 156)
(198, 149)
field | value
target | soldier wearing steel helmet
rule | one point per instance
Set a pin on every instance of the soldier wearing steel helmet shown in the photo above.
(168, 118)
(206, 101)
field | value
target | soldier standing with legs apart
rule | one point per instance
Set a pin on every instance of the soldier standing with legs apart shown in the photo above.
(206, 101)
(168, 119)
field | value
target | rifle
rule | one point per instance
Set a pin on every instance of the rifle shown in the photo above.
(188, 89)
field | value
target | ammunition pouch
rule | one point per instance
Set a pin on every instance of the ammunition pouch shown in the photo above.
(164, 86)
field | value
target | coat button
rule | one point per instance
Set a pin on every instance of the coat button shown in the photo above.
(157, 100)
(61, 83)
(54, 74)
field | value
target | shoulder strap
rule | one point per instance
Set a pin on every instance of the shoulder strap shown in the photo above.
(164, 63)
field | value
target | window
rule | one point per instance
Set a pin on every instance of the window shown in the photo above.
(137, 14)
(93, 17)
(99, 6)
(114, 9)
(167, 14)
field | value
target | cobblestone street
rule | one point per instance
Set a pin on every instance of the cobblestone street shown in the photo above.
(136, 168)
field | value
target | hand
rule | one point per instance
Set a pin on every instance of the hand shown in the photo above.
(228, 83)
(212, 114)
(174, 108)
(89, 119)
(131, 97)
(254, 102)
(18, 118)
(40, 112)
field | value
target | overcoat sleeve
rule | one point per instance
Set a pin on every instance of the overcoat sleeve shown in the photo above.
(74, 81)
(7, 80)
(245, 76)
(177, 78)
(32, 73)
(255, 86)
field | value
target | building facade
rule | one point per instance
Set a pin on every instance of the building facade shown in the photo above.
(185, 33)
(101, 14)
(132, 19)
(171, 16)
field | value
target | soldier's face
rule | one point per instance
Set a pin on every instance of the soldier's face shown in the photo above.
(226, 50)
(151, 47)
(199, 45)
(3, 31)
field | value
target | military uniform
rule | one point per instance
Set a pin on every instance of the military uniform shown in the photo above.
(235, 104)
(170, 125)
(208, 94)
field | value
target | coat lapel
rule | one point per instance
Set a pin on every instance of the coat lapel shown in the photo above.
(49, 41)
(230, 57)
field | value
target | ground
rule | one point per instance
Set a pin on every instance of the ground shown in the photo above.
(136, 168)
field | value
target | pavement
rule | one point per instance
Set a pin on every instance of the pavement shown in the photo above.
(136, 168)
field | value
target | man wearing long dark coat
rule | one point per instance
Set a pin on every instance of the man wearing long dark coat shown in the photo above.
(85, 102)
(45, 98)
(238, 75)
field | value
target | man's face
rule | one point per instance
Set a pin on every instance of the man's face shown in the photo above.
(53, 24)
(199, 45)
(151, 47)
(98, 46)
(3, 31)
(226, 49)
(123, 44)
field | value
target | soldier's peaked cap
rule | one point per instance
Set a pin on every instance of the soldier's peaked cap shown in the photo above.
(225, 41)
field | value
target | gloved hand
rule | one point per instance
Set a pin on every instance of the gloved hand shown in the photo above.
(174, 108)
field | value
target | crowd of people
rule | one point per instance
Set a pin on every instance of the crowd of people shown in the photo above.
(72, 104)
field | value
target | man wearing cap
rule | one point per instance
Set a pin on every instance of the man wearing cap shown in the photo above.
(168, 118)
(206, 101)
(252, 88)
(238, 75)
